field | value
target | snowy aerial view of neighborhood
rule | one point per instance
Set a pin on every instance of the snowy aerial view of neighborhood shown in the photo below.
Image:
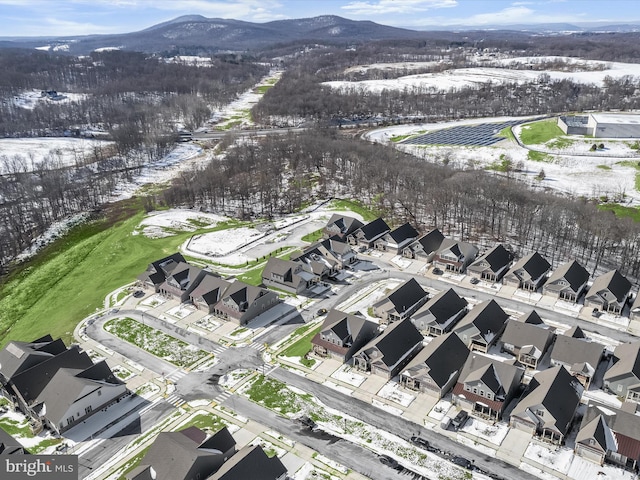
(343, 241)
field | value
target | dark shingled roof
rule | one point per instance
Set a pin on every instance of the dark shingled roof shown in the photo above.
(250, 463)
(406, 295)
(374, 228)
(574, 273)
(534, 265)
(442, 357)
(403, 232)
(16, 357)
(531, 318)
(488, 318)
(497, 258)
(431, 241)
(558, 391)
(344, 223)
(397, 339)
(624, 425)
(443, 306)
(627, 361)
(614, 283)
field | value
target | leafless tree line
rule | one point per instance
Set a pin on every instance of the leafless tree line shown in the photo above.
(279, 175)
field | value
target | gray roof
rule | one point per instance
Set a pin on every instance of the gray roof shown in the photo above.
(597, 429)
(611, 286)
(497, 258)
(627, 361)
(250, 463)
(284, 268)
(520, 334)
(344, 324)
(496, 375)
(344, 223)
(68, 385)
(442, 306)
(211, 288)
(600, 423)
(9, 445)
(574, 273)
(460, 249)
(179, 455)
(397, 339)
(557, 391)
(158, 271)
(533, 266)
(16, 357)
(443, 357)
(573, 351)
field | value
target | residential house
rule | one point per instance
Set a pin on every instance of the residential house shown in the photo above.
(486, 386)
(335, 251)
(527, 338)
(401, 303)
(341, 226)
(369, 233)
(208, 292)
(492, 265)
(529, 273)
(241, 303)
(327, 258)
(436, 368)
(609, 293)
(185, 455)
(288, 275)
(623, 378)
(480, 328)
(251, 463)
(10, 446)
(397, 239)
(440, 313)
(342, 334)
(579, 354)
(158, 271)
(74, 394)
(388, 353)
(182, 280)
(425, 247)
(567, 282)
(610, 434)
(454, 255)
(548, 404)
(54, 385)
(634, 314)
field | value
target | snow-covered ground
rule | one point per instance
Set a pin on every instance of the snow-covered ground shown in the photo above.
(224, 242)
(493, 433)
(392, 391)
(347, 374)
(31, 98)
(480, 75)
(586, 175)
(166, 222)
(28, 154)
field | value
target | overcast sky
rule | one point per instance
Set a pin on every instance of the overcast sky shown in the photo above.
(80, 17)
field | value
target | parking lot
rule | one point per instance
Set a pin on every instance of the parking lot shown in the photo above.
(482, 135)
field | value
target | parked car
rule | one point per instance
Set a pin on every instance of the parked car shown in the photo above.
(437, 271)
(462, 462)
(460, 419)
(390, 462)
(595, 312)
(138, 294)
(423, 443)
(445, 423)
(322, 311)
(474, 281)
(307, 422)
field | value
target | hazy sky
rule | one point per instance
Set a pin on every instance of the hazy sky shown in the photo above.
(80, 17)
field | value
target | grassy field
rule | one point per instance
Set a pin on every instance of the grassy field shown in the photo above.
(622, 211)
(540, 132)
(68, 280)
(155, 342)
(274, 395)
(507, 132)
(357, 207)
(313, 236)
(302, 346)
(538, 156)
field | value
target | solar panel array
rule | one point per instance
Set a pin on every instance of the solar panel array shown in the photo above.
(482, 135)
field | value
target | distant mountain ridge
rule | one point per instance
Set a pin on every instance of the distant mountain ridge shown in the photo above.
(194, 34)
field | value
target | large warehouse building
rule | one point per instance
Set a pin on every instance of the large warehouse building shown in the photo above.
(602, 125)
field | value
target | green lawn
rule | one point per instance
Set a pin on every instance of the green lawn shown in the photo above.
(208, 421)
(313, 236)
(301, 347)
(538, 156)
(357, 207)
(603, 167)
(275, 395)
(622, 211)
(507, 132)
(540, 132)
(69, 279)
(154, 341)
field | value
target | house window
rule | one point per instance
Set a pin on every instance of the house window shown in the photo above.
(467, 388)
(475, 390)
(540, 413)
(619, 387)
(87, 410)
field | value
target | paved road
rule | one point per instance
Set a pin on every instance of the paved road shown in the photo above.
(218, 134)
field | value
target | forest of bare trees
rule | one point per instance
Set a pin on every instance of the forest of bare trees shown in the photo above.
(279, 175)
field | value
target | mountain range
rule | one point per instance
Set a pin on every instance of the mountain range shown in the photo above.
(195, 34)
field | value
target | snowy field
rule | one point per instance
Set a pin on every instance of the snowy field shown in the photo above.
(31, 98)
(224, 242)
(32, 152)
(581, 174)
(477, 76)
(166, 222)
